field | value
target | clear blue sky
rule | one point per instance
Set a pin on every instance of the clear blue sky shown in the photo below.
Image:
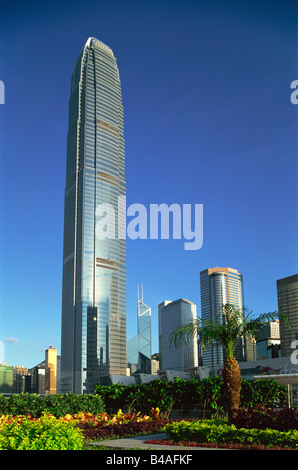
(208, 120)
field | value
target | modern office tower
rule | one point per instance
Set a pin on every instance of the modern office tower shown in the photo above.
(6, 378)
(220, 286)
(51, 371)
(20, 377)
(94, 261)
(268, 341)
(37, 374)
(287, 296)
(172, 315)
(139, 347)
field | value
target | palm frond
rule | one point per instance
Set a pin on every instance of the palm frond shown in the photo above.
(232, 325)
(183, 334)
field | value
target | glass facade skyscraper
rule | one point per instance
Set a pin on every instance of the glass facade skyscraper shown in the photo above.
(93, 340)
(287, 296)
(139, 347)
(220, 286)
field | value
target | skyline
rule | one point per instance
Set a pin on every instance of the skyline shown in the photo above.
(207, 120)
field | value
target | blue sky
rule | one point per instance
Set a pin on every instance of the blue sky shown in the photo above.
(207, 120)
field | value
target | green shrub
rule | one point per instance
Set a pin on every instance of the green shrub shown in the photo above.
(69, 403)
(58, 405)
(220, 431)
(262, 392)
(21, 404)
(46, 433)
(115, 396)
(207, 395)
(155, 394)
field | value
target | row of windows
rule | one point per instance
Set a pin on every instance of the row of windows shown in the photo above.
(104, 98)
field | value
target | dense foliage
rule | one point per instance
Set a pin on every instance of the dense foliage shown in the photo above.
(45, 433)
(58, 405)
(51, 433)
(258, 427)
(220, 431)
(208, 395)
(30, 421)
(262, 417)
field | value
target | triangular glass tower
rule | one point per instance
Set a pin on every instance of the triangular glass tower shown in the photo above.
(139, 347)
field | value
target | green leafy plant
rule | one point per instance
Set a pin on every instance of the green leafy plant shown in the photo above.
(220, 431)
(115, 396)
(155, 394)
(45, 433)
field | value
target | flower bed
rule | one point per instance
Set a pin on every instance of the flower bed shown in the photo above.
(104, 426)
(114, 431)
(68, 432)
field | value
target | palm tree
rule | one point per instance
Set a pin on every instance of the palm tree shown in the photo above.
(233, 324)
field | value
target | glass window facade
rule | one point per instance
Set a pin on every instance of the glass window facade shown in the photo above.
(139, 347)
(94, 270)
(220, 286)
(287, 296)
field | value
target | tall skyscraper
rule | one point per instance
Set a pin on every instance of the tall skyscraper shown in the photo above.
(94, 267)
(220, 286)
(287, 296)
(139, 347)
(173, 315)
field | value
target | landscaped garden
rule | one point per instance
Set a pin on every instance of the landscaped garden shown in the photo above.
(229, 411)
(69, 422)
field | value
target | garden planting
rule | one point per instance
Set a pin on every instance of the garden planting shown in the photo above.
(219, 432)
(68, 422)
(71, 431)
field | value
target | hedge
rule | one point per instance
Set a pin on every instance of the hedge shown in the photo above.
(220, 431)
(207, 394)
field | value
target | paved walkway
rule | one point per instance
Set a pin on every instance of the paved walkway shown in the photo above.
(139, 441)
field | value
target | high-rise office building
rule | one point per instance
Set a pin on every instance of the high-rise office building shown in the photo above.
(220, 286)
(139, 347)
(94, 265)
(287, 296)
(51, 371)
(173, 315)
(268, 341)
